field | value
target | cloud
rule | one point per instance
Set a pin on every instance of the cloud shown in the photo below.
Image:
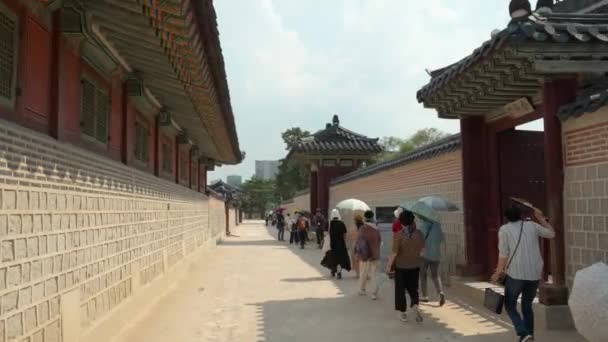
(296, 63)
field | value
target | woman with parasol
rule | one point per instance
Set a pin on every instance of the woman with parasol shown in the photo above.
(336, 256)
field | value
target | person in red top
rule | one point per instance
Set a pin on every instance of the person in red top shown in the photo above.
(396, 224)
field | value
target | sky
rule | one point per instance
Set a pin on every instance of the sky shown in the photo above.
(296, 63)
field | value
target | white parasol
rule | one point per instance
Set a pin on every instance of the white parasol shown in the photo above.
(589, 302)
(348, 210)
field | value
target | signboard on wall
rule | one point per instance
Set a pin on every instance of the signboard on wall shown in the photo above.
(519, 108)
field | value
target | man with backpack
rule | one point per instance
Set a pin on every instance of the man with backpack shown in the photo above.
(303, 226)
(367, 248)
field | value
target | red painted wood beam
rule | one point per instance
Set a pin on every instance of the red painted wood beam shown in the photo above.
(475, 192)
(557, 92)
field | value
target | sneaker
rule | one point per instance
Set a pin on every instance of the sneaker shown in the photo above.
(374, 297)
(425, 299)
(528, 338)
(362, 293)
(402, 317)
(441, 299)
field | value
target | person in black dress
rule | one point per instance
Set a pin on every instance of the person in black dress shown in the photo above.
(338, 253)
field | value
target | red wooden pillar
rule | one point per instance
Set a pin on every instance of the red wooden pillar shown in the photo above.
(557, 92)
(55, 93)
(473, 135)
(156, 146)
(314, 189)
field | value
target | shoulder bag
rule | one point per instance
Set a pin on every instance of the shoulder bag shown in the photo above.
(494, 301)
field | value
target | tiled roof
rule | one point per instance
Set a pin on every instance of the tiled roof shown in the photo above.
(537, 28)
(440, 147)
(337, 139)
(588, 101)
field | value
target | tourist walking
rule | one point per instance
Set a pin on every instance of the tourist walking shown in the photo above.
(367, 248)
(281, 226)
(433, 238)
(318, 222)
(520, 265)
(407, 247)
(293, 229)
(303, 226)
(359, 222)
(337, 256)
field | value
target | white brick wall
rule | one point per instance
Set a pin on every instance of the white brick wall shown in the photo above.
(71, 219)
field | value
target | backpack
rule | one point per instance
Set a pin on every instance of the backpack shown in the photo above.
(302, 224)
(362, 248)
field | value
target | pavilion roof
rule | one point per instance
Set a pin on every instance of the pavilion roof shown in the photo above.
(513, 63)
(335, 139)
(174, 47)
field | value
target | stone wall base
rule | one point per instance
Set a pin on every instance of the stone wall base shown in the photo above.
(555, 317)
(135, 309)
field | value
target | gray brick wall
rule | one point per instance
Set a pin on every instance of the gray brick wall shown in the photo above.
(586, 216)
(71, 219)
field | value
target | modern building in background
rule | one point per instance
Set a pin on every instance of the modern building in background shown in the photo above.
(266, 169)
(234, 180)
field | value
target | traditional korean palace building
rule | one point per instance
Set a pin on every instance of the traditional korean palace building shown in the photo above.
(111, 114)
(331, 153)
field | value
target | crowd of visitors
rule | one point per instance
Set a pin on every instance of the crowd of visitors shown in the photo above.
(416, 255)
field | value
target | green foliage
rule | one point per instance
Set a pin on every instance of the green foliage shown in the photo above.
(293, 175)
(259, 196)
(395, 146)
(293, 136)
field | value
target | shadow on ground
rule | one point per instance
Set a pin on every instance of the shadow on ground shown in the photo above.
(348, 317)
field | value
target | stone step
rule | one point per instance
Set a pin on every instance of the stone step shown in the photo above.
(546, 317)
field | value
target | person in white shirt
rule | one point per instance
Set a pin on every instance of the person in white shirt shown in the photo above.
(521, 264)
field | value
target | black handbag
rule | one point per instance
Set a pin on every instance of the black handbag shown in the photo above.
(495, 301)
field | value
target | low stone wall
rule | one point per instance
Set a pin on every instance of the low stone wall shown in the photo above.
(81, 235)
(300, 202)
(586, 191)
(440, 176)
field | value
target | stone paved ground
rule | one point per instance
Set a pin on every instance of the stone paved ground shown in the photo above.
(255, 289)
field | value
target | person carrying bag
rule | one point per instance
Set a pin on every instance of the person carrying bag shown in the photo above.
(520, 266)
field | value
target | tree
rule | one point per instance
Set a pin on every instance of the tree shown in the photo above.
(258, 196)
(395, 146)
(293, 136)
(293, 175)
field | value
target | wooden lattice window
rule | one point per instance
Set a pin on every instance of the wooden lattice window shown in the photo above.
(142, 148)
(94, 111)
(167, 158)
(9, 37)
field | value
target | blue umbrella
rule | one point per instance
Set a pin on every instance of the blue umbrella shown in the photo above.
(439, 203)
(421, 209)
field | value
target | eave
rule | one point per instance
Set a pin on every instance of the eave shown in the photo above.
(514, 64)
(169, 44)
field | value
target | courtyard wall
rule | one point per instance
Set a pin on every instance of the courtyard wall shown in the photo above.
(585, 141)
(81, 235)
(432, 170)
